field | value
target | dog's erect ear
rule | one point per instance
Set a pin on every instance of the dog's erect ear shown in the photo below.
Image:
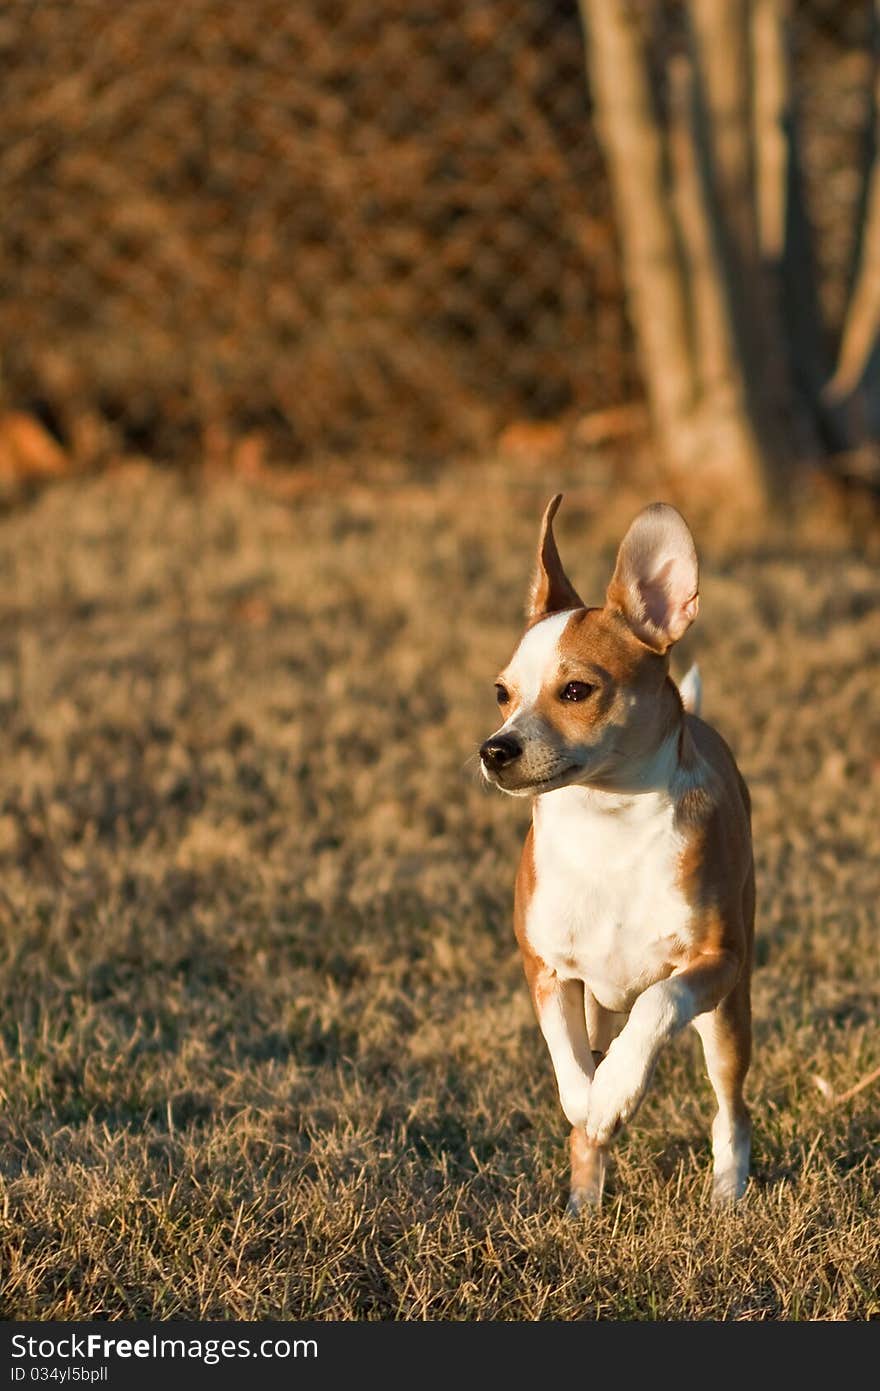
(656, 580)
(552, 590)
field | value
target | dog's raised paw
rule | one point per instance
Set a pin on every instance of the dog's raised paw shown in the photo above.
(615, 1096)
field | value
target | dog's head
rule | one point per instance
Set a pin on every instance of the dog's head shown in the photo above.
(586, 697)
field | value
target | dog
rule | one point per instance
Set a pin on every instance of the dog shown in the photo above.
(635, 896)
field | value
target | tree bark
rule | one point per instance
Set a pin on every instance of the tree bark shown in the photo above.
(632, 138)
(722, 425)
(861, 328)
(723, 53)
(718, 249)
(679, 302)
(771, 113)
(785, 242)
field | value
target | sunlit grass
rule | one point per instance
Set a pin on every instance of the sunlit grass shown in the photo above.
(265, 1050)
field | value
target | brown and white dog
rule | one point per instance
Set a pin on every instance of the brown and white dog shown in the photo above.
(635, 896)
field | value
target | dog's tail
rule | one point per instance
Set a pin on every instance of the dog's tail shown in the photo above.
(690, 688)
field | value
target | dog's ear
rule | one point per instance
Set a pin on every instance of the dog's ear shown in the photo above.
(656, 580)
(552, 590)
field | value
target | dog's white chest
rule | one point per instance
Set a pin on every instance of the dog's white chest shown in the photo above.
(607, 908)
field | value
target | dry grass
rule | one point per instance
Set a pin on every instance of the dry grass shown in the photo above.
(264, 1046)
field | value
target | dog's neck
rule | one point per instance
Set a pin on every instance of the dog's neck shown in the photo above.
(638, 784)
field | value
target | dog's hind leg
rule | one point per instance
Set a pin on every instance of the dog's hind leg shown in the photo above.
(603, 1026)
(726, 1035)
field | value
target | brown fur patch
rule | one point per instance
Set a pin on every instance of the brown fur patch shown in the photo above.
(716, 872)
(540, 978)
(552, 590)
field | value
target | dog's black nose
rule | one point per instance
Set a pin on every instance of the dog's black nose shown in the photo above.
(498, 752)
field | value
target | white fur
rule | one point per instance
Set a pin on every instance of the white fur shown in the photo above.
(562, 1023)
(690, 688)
(606, 903)
(526, 674)
(534, 657)
(607, 911)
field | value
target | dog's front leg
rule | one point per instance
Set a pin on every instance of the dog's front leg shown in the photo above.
(559, 1006)
(623, 1076)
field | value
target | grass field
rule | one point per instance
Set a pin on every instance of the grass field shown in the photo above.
(265, 1049)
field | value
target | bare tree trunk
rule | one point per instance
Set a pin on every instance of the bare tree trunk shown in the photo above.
(861, 328)
(714, 344)
(788, 266)
(771, 114)
(718, 254)
(632, 138)
(725, 431)
(723, 52)
(679, 302)
(743, 69)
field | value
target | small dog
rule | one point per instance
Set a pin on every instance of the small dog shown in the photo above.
(635, 896)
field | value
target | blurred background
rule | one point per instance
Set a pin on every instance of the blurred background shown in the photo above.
(306, 309)
(279, 234)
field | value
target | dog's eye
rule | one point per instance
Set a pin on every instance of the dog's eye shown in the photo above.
(502, 694)
(576, 690)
